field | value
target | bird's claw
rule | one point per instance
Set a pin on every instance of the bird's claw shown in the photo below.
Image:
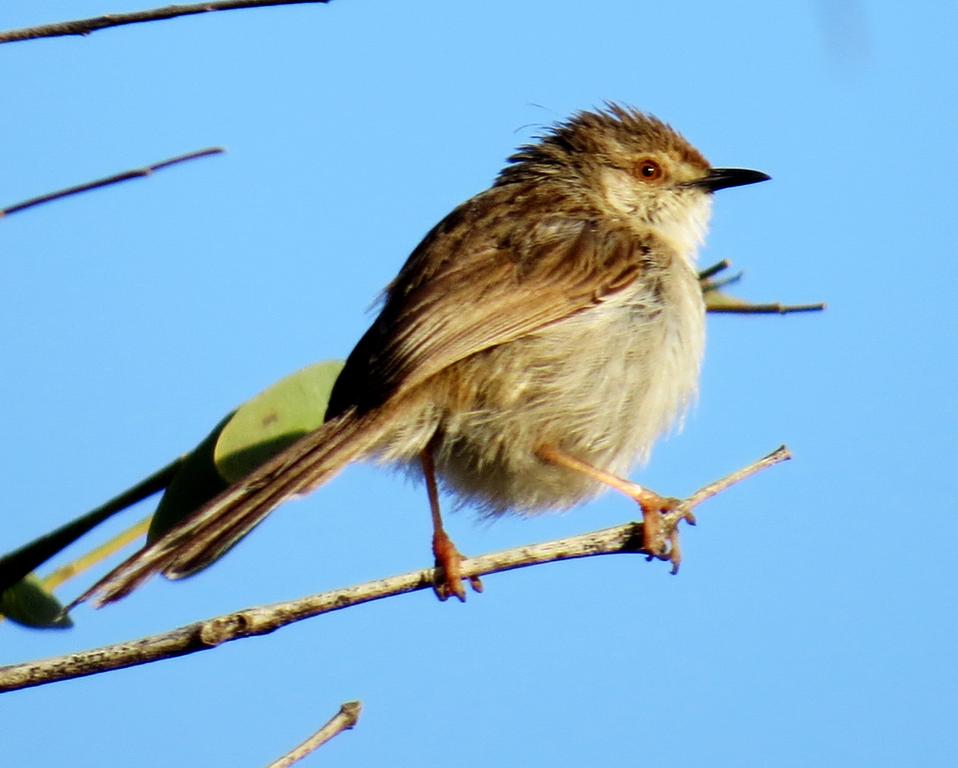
(661, 516)
(448, 578)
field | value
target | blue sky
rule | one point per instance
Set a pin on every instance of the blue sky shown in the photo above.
(814, 619)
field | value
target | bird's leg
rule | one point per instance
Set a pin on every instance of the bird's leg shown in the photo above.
(660, 536)
(448, 580)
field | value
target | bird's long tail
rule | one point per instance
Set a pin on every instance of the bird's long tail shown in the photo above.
(218, 525)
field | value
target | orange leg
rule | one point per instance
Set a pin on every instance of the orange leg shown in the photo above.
(660, 537)
(448, 559)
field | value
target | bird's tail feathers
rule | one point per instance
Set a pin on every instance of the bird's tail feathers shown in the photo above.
(222, 522)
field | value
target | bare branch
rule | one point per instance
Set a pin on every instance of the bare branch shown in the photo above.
(86, 26)
(204, 635)
(136, 173)
(346, 718)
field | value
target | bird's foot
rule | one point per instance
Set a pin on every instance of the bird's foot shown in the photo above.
(661, 516)
(448, 575)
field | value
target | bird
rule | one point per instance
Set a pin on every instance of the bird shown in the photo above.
(526, 357)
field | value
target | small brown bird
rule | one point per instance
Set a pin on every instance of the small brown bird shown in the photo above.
(528, 354)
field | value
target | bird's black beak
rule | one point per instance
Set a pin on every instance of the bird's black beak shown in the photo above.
(722, 178)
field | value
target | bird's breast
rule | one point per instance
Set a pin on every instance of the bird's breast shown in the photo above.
(601, 385)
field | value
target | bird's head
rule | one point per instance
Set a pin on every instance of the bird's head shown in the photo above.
(624, 163)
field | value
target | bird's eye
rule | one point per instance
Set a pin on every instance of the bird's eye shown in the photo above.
(648, 170)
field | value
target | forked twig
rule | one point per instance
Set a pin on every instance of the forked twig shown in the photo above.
(720, 303)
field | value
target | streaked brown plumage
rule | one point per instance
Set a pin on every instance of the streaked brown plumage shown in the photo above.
(554, 319)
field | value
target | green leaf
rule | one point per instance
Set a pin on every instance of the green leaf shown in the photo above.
(195, 483)
(29, 604)
(245, 439)
(275, 419)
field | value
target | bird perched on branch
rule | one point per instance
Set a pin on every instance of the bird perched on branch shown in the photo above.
(527, 355)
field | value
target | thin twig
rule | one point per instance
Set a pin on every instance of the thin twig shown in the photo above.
(712, 271)
(764, 309)
(713, 285)
(136, 173)
(86, 26)
(204, 635)
(346, 718)
(705, 493)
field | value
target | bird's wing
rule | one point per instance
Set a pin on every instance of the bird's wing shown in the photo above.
(487, 285)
